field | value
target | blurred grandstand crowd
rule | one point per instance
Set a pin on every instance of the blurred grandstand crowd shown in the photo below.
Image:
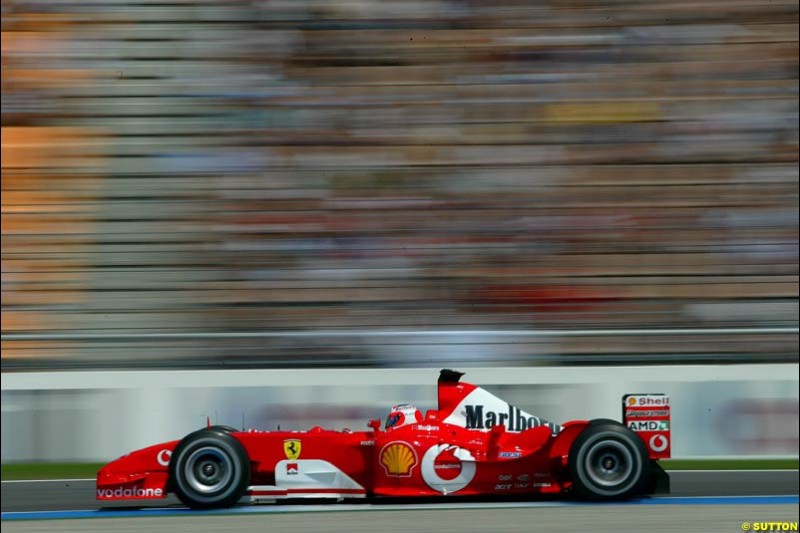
(317, 166)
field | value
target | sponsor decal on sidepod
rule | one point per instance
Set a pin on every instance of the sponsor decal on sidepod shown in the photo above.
(509, 455)
(447, 468)
(398, 459)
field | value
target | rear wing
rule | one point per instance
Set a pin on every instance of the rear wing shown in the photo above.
(649, 416)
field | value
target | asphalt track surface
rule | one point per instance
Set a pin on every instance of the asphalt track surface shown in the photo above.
(699, 501)
(634, 517)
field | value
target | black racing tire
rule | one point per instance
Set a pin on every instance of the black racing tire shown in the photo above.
(224, 429)
(608, 461)
(600, 421)
(209, 469)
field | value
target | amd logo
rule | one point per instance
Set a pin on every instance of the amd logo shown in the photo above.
(514, 419)
(649, 425)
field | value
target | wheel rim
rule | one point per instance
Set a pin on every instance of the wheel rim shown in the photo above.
(609, 464)
(208, 470)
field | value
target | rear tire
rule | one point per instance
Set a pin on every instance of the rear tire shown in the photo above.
(224, 429)
(608, 461)
(209, 469)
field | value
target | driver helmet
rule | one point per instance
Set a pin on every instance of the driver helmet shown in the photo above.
(403, 415)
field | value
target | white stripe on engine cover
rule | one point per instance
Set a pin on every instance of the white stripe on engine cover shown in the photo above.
(482, 401)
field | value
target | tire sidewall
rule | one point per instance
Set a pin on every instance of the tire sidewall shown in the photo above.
(615, 434)
(235, 457)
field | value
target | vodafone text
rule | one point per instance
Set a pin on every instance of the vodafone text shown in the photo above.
(130, 492)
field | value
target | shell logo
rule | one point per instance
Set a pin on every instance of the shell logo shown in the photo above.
(398, 459)
(631, 401)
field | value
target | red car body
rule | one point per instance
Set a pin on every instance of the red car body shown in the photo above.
(473, 444)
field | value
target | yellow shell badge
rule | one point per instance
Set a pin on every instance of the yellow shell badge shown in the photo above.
(291, 447)
(398, 459)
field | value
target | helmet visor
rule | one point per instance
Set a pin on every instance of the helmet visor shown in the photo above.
(392, 419)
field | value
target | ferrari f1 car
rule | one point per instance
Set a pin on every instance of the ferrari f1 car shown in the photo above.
(474, 444)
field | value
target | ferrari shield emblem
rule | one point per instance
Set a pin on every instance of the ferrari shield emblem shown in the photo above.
(292, 448)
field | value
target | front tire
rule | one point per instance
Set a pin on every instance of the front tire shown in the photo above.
(608, 461)
(209, 469)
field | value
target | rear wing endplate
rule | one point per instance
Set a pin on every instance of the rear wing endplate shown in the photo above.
(649, 416)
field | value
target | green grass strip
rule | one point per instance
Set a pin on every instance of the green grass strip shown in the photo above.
(730, 464)
(17, 471)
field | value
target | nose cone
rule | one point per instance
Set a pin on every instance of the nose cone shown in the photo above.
(151, 459)
(137, 475)
(121, 470)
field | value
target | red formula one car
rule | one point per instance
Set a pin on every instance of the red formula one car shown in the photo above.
(474, 444)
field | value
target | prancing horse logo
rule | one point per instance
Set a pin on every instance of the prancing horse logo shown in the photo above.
(291, 448)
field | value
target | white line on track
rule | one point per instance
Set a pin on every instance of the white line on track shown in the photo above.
(343, 507)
